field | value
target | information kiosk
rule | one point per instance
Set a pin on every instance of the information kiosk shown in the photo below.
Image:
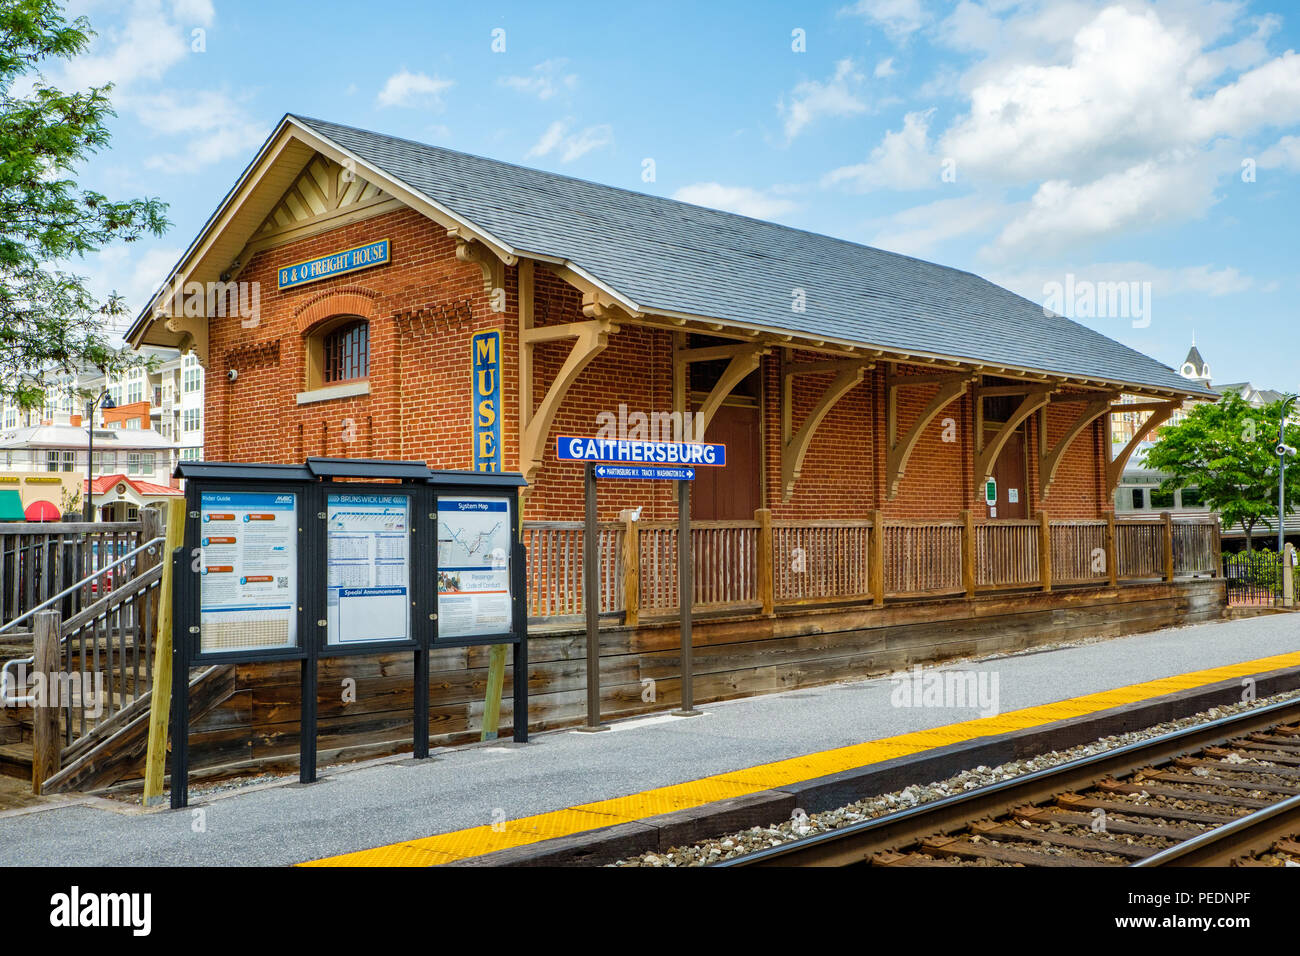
(343, 556)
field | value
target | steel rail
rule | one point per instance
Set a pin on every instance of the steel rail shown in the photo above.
(1251, 834)
(858, 842)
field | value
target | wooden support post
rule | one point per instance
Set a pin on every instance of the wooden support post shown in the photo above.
(160, 707)
(968, 552)
(492, 702)
(1168, 521)
(1112, 551)
(764, 563)
(1218, 547)
(1044, 551)
(876, 564)
(631, 573)
(47, 661)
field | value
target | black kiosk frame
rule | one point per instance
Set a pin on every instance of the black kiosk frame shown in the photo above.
(300, 505)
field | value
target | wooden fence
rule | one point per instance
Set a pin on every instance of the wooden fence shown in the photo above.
(763, 564)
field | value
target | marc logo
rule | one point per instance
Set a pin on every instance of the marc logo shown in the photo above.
(75, 909)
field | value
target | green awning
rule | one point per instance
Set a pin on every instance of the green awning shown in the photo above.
(11, 505)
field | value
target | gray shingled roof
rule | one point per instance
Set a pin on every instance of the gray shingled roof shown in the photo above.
(672, 256)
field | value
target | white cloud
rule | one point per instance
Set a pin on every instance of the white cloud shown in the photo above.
(811, 100)
(571, 145)
(1284, 154)
(203, 128)
(903, 160)
(137, 53)
(1127, 92)
(898, 18)
(1061, 214)
(545, 81)
(884, 68)
(405, 88)
(738, 199)
(919, 230)
(1110, 117)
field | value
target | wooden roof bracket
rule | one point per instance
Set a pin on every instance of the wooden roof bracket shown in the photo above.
(1159, 415)
(899, 450)
(743, 360)
(986, 454)
(469, 249)
(590, 338)
(848, 373)
(1049, 460)
(193, 330)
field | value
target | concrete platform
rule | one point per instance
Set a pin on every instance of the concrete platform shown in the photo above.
(486, 798)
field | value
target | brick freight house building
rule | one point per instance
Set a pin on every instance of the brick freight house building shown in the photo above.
(410, 302)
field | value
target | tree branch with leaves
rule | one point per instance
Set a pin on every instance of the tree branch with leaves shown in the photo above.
(50, 322)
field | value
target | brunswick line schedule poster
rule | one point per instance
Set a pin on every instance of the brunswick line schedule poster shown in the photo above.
(473, 567)
(249, 571)
(369, 575)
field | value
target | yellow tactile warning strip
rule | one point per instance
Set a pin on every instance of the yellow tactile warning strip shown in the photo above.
(476, 841)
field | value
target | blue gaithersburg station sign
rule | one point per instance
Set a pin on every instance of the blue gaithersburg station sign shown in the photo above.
(335, 264)
(613, 451)
(645, 471)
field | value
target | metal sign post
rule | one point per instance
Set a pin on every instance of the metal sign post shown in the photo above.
(625, 458)
(685, 598)
(591, 598)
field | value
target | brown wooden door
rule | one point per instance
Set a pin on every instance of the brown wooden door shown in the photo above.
(730, 493)
(1009, 472)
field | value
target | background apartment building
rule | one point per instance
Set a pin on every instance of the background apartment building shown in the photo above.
(155, 420)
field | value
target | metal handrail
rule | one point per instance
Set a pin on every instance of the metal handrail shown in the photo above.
(5, 676)
(83, 582)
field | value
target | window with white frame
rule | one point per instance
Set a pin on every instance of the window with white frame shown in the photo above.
(193, 419)
(133, 463)
(52, 458)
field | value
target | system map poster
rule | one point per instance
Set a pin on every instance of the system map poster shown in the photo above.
(369, 568)
(249, 571)
(474, 539)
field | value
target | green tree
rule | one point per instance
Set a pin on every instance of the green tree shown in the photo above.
(49, 320)
(1227, 450)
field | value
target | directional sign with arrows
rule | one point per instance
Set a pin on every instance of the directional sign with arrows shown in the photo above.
(645, 471)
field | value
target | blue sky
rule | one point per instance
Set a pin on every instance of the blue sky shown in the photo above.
(1112, 142)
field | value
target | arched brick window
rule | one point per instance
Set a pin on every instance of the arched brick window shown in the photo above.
(338, 351)
(345, 353)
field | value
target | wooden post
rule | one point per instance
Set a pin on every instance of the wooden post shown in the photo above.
(47, 661)
(1168, 521)
(764, 564)
(1044, 551)
(160, 707)
(492, 702)
(631, 573)
(1218, 547)
(1112, 551)
(968, 552)
(876, 570)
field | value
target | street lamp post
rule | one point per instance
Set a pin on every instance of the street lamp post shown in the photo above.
(105, 401)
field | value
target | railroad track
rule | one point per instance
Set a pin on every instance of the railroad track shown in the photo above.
(1220, 793)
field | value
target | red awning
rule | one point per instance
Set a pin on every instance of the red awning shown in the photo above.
(42, 511)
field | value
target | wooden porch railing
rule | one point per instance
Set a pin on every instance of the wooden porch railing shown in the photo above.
(765, 564)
